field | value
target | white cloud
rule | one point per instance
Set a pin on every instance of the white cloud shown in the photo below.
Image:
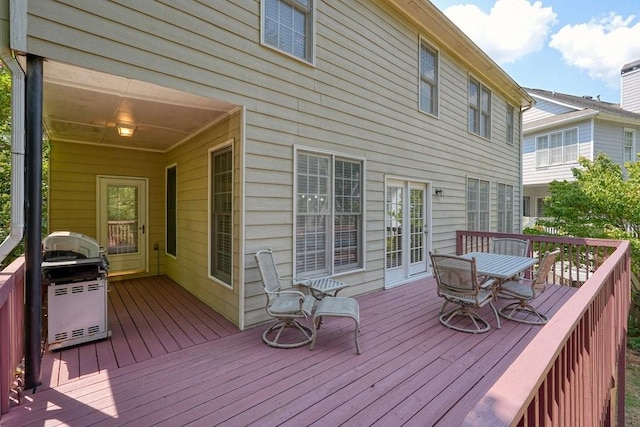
(600, 47)
(512, 29)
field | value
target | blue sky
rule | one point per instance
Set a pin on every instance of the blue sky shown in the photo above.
(571, 46)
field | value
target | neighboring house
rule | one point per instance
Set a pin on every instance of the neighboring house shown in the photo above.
(560, 128)
(327, 131)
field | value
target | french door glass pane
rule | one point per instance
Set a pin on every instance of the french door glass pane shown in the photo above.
(122, 219)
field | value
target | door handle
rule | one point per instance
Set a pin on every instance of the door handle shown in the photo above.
(142, 228)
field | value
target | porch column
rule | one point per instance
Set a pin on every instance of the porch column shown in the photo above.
(33, 221)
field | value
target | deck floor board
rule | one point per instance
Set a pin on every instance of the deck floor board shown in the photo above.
(173, 361)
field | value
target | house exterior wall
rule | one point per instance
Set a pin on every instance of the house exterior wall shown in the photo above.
(609, 139)
(630, 91)
(543, 109)
(359, 99)
(190, 266)
(73, 170)
(533, 175)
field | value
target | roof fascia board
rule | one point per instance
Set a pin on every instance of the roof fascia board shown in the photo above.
(435, 23)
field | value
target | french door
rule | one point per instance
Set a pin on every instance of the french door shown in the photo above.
(407, 230)
(122, 228)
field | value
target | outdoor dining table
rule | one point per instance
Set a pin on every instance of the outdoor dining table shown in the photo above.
(500, 266)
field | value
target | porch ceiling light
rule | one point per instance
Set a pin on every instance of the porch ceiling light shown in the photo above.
(125, 129)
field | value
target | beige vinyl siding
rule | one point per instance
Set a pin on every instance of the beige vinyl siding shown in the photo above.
(360, 99)
(73, 170)
(190, 267)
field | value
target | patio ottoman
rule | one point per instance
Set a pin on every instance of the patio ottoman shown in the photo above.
(336, 307)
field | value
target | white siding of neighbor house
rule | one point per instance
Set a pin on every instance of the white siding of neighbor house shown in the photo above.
(543, 109)
(533, 175)
(609, 139)
(630, 91)
(360, 99)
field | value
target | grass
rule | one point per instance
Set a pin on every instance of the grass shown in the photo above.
(632, 390)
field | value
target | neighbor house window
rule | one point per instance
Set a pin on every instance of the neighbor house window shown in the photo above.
(329, 214)
(479, 109)
(172, 211)
(511, 117)
(477, 204)
(287, 25)
(540, 206)
(505, 208)
(428, 79)
(221, 199)
(628, 145)
(526, 206)
(557, 148)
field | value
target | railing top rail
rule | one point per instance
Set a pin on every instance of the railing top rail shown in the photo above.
(7, 278)
(545, 238)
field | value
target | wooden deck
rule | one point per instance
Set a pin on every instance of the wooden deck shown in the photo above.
(172, 361)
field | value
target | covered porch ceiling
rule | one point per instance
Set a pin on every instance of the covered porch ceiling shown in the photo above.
(85, 106)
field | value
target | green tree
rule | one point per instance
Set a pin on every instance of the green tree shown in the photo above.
(602, 202)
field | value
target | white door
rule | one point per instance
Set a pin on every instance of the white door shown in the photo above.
(406, 224)
(122, 213)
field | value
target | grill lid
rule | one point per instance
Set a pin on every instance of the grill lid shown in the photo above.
(67, 246)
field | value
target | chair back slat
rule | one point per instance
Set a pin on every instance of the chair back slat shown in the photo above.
(455, 274)
(510, 246)
(268, 270)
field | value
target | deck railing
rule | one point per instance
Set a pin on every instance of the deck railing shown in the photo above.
(572, 373)
(11, 327)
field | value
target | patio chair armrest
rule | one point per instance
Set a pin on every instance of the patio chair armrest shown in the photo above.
(488, 283)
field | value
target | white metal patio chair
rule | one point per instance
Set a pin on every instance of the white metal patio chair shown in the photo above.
(458, 284)
(525, 290)
(286, 306)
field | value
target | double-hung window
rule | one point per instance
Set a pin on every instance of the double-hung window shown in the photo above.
(329, 214)
(505, 208)
(557, 148)
(477, 204)
(287, 25)
(221, 210)
(479, 109)
(428, 79)
(628, 145)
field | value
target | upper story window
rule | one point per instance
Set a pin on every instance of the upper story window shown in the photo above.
(329, 214)
(557, 148)
(287, 25)
(479, 109)
(628, 145)
(428, 79)
(511, 118)
(477, 204)
(505, 208)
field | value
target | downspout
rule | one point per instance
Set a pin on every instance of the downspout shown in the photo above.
(16, 231)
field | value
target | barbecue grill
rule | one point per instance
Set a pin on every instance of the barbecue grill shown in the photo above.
(74, 272)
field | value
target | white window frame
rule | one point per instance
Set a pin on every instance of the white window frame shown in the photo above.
(629, 145)
(504, 208)
(479, 111)
(426, 80)
(331, 267)
(228, 145)
(558, 147)
(511, 123)
(307, 7)
(478, 204)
